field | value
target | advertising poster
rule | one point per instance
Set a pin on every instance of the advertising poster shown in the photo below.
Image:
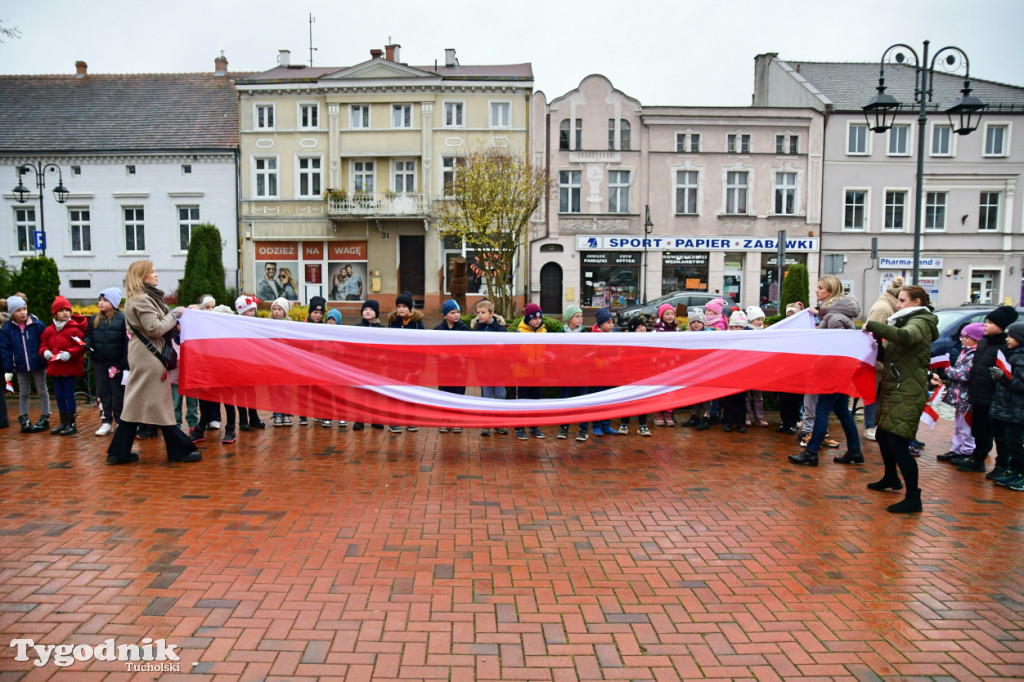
(347, 281)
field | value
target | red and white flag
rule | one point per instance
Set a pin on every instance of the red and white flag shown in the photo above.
(1003, 364)
(939, 362)
(930, 416)
(386, 376)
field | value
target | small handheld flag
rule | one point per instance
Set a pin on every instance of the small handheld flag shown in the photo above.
(1004, 365)
(939, 362)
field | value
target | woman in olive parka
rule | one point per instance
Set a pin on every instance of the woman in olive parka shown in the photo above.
(907, 338)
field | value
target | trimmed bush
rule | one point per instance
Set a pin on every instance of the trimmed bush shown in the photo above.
(8, 275)
(795, 287)
(204, 267)
(39, 281)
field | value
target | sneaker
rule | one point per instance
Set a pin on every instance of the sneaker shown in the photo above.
(946, 456)
(326, 423)
(456, 429)
(919, 444)
(643, 430)
(485, 433)
(997, 472)
(727, 428)
(197, 435)
(358, 426)
(609, 431)
(412, 428)
(287, 420)
(762, 423)
(961, 459)
(303, 421)
(869, 434)
(582, 437)
(1006, 478)
(376, 426)
(704, 425)
(804, 439)
(278, 420)
(536, 433)
(563, 432)
(741, 428)
(502, 432)
(830, 442)
(670, 419)
(229, 437)
(395, 429)
(972, 466)
(1016, 484)
(104, 429)
(213, 426)
(443, 429)
(342, 424)
(521, 434)
(623, 429)
(258, 424)
(659, 419)
(914, 450)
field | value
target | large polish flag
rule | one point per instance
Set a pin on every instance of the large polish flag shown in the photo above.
(388, 376)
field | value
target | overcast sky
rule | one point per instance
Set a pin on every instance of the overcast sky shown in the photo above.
(662, 52)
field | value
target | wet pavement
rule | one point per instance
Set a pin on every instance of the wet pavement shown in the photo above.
(304, 552)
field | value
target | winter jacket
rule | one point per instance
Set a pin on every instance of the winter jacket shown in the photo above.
(958, 373)
(980, 384)
(908, 337)
(1008, 401)
(497, 324)
(460, 326)
(363, 323)
(525, 328)
(19, 348)
(885, 307)
(840, 314)
(70, 338)
(660, 326)
(578, 330)
(108, 340)
(147, 396)
(414, 321)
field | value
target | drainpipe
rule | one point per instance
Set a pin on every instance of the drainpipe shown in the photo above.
(238, 220)
(864, 275)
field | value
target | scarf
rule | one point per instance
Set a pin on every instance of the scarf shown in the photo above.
(156, 296)
(60, 325)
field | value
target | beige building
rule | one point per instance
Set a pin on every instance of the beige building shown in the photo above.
(719, 182)
(339, 167)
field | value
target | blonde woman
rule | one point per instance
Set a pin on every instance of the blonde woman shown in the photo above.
(289, 287)
(147, 397)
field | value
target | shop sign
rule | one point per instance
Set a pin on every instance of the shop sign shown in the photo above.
(700, 259)
(277, 250)
(312, 250)
(696, 243)
(887, 263)
(605, 258)
(346, 251)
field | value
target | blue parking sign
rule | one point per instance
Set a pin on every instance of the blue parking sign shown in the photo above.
(39, 240)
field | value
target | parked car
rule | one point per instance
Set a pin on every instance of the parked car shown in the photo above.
(695, 299)
(951, 320)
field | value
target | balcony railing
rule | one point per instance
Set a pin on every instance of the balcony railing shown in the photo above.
(379, 204)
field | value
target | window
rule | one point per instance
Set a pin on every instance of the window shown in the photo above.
(405, 176)
(401, 116)
(624, 134)
(134, 229)
(794, 144)
(935, 210)
(188, 218)
(76, 170)
(453, 115)
(359, 116)
(895, 210)
(942, 140)
(785, 193)
(186, 169)
(500, 113)
(264, 116)
(688, 142)
(449, 167)
(618, 191)
(855, 213)
(736, 192)
(309, 116)
(362, 176)
(309, 176)
(25, 225)
(738, 144)
(781, 146)
(129, 169)
(995, 140)
(569, 191)
(988, 211)
(857, 139)
(566, 137)
(265, 172)
(686, 192)
(455, 247)
(899, 140)
(81, 229)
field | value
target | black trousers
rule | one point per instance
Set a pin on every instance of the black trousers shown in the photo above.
(981, 429)
(734, 408)
(896, 453)
(109, 391)
(247, 415)
(210, 412)
(1009, 438)
(177, 441)
(789, 408)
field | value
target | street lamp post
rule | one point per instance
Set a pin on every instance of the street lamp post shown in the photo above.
(648, 228)
(60, 192)
(880, 113)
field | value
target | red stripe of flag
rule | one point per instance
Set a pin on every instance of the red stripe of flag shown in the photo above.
(929, 416)
(1002, 364)
(939, 362)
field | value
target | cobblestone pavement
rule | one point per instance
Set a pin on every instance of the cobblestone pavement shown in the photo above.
(304, 552)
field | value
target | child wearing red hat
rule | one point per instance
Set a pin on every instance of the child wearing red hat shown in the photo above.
(62, 345)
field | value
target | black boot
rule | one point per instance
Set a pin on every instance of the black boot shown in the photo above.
(59, 429)
(26, 425)
(42, 424)
(854, 456)
(71, 428)
(910, 504)
(806, 457)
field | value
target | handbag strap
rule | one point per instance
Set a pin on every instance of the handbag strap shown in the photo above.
(149, 344)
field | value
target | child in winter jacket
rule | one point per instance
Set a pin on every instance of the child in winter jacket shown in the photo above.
(369, 316)
(19, 353)
(573, 316)
(404, 316)
(62, 345)
(488, 321)
(666, 323)
(106, 339)
(637, 325)
(957, 395)
(1008, 410)
(452, 322)
(605, 324)
(755, 399)
(532, 323)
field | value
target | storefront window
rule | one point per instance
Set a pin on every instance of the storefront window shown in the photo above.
(346, 271)
(770, 274)
(732, 285)
(684, 272)
(610, 279)
(454, 247)
(277, 270)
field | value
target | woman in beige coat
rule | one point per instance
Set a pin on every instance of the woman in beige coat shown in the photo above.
(147, 397)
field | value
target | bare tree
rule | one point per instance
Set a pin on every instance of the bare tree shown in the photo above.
(8, 32)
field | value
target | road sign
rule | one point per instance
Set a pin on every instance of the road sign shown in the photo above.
(39, 240)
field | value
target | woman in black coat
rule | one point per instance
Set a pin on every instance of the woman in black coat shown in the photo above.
(107, 336)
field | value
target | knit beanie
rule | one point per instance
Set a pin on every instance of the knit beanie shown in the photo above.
(737, 319)
(532, 311)
(283, 303)
(570, 310)
(754, 313)
(59, 303)
(714, 306)
(1003, 316)
(894, 286)
(113, 294)
(206, 299)
(317, 303)
(245, 303)
(449, 306)
(373, 305)
(637, 322)
(222, 309)
(334, 314)
(696, 315)
(663, 307)
(404, 298)
(603, 315)
(975, 331)
(15, 303)
(1016, 330)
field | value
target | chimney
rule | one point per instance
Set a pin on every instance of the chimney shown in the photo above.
(376, 54)
(81, 69)
(220, 65)
(391, 52)
(449, 57)
(284, 58)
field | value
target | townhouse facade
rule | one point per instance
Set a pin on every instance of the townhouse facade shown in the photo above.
(972, 246)
(340, 167)
(648, 200)
(144, 157)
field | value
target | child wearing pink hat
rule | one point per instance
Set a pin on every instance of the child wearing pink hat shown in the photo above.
(666, 323)
(957, 396)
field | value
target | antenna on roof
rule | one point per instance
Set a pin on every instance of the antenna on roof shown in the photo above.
(312, 19)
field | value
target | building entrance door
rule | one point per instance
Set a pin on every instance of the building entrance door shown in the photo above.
(411, 271)
(551, 288)
(983, 286)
